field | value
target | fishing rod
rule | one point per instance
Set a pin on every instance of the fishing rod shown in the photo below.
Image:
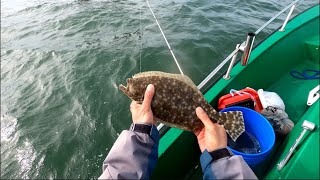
(174, 57)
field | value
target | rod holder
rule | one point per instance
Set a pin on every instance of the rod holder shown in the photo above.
(246, 48)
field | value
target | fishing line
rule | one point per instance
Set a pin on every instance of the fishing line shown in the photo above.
(174, 57)
(140, 36)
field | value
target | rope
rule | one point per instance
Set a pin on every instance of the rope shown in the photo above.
(307, 74)
(174, 57)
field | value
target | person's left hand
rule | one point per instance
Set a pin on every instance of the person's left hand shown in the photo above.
(142, 113)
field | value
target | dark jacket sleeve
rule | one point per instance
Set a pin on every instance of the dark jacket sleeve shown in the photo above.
(233, 167)
(133, 156)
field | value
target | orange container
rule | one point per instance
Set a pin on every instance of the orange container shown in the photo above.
(246, 97)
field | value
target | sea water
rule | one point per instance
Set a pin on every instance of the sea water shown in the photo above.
(246, 143)
(62, 62)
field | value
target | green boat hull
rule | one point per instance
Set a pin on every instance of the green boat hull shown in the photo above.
(268, 68)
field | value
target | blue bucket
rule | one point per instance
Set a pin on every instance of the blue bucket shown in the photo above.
(260, 128)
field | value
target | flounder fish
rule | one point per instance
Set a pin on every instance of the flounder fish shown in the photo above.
(176, 99)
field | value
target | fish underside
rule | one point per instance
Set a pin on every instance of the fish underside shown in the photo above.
(176, 99)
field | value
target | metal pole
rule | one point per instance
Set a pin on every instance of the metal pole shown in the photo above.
(217, 69)
(274, 17)
(233, 60)
(288, 17)
(237, 49)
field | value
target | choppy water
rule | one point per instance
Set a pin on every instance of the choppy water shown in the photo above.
(61, 63)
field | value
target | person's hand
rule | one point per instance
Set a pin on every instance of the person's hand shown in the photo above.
(142, 113)
(213, 136)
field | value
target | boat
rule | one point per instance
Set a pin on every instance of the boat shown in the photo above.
(267, 65)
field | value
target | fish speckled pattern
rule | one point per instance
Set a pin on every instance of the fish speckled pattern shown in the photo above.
(176, 99)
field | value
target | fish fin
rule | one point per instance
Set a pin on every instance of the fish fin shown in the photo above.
(214, 111)
(124, 89)
(179, 77)
(173, 124)
(149, 73)
(233, 122)
(186, 79)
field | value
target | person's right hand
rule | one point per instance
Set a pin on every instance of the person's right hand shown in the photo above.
(213, 136)
(142, 113)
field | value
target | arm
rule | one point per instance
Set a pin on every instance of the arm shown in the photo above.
(216, 161)
(133, 155)
(232, 167)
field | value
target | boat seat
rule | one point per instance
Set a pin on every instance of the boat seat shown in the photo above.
(312, 48)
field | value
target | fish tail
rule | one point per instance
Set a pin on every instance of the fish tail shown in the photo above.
(233, 123)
